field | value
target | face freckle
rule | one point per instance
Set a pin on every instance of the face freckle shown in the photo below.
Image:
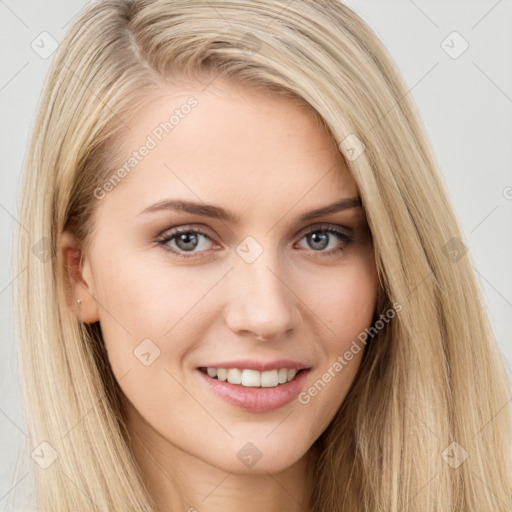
(257, 286)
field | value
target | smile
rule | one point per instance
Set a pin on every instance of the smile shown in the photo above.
(252, 378)
(255, 390)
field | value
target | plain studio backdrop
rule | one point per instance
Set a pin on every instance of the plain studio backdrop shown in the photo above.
(456, 59)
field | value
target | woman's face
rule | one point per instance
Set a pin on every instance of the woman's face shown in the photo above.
(253, 288)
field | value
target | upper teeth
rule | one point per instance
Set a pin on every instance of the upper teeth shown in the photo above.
(253, 378)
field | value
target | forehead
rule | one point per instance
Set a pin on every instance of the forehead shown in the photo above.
(227, 143)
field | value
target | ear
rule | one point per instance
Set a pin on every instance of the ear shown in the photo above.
(78, 279)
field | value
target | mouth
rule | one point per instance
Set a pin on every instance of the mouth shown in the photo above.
(252, 378)
(257, 389)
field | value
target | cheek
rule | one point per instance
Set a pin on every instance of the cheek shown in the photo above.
(147, 296)
(347, 306)
(148, 307)
(345, 301)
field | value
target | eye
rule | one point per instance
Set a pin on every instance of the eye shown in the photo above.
(322, 237)
(185, 240)
(188, 242)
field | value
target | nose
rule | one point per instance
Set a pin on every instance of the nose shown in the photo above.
(261, 302)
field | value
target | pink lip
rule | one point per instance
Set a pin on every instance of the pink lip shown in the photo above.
(253, 399)
(261, 366)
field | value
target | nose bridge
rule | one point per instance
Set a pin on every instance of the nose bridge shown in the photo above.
(261, 300)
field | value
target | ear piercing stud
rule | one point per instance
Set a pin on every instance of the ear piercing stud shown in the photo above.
(79, 301)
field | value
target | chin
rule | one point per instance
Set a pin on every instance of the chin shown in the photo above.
(264, 452)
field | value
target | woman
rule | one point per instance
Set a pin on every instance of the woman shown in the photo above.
(253, 294)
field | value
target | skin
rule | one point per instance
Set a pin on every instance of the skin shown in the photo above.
(268, 160)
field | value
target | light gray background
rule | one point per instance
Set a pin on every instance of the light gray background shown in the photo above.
(465, 102)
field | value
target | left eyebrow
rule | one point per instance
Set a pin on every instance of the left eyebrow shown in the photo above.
(338, 206)
(208, 210)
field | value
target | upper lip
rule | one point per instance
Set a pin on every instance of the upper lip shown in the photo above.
(260, 366)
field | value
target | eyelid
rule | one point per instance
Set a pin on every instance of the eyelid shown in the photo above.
(184, 228)
(321, 225)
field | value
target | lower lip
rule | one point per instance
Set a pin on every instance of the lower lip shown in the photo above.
(254, 399)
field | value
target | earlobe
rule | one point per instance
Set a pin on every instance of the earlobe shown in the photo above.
(79, 282)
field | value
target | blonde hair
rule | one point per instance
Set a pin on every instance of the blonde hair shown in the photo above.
(431, 377)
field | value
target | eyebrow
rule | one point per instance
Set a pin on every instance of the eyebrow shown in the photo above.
(216, 212)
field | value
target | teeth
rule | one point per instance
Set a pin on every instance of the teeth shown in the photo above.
(253, 378)
(270, 379)
(291, 374)
(234, 376)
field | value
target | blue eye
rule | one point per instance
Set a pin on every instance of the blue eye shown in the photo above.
(185, 241)
(181, 241)
(318, 239)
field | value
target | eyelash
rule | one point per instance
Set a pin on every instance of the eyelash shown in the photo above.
(170, 235)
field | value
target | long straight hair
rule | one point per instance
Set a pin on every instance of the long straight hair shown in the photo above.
(432, 388)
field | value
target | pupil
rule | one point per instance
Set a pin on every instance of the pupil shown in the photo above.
(185, 238)
(321, 238)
